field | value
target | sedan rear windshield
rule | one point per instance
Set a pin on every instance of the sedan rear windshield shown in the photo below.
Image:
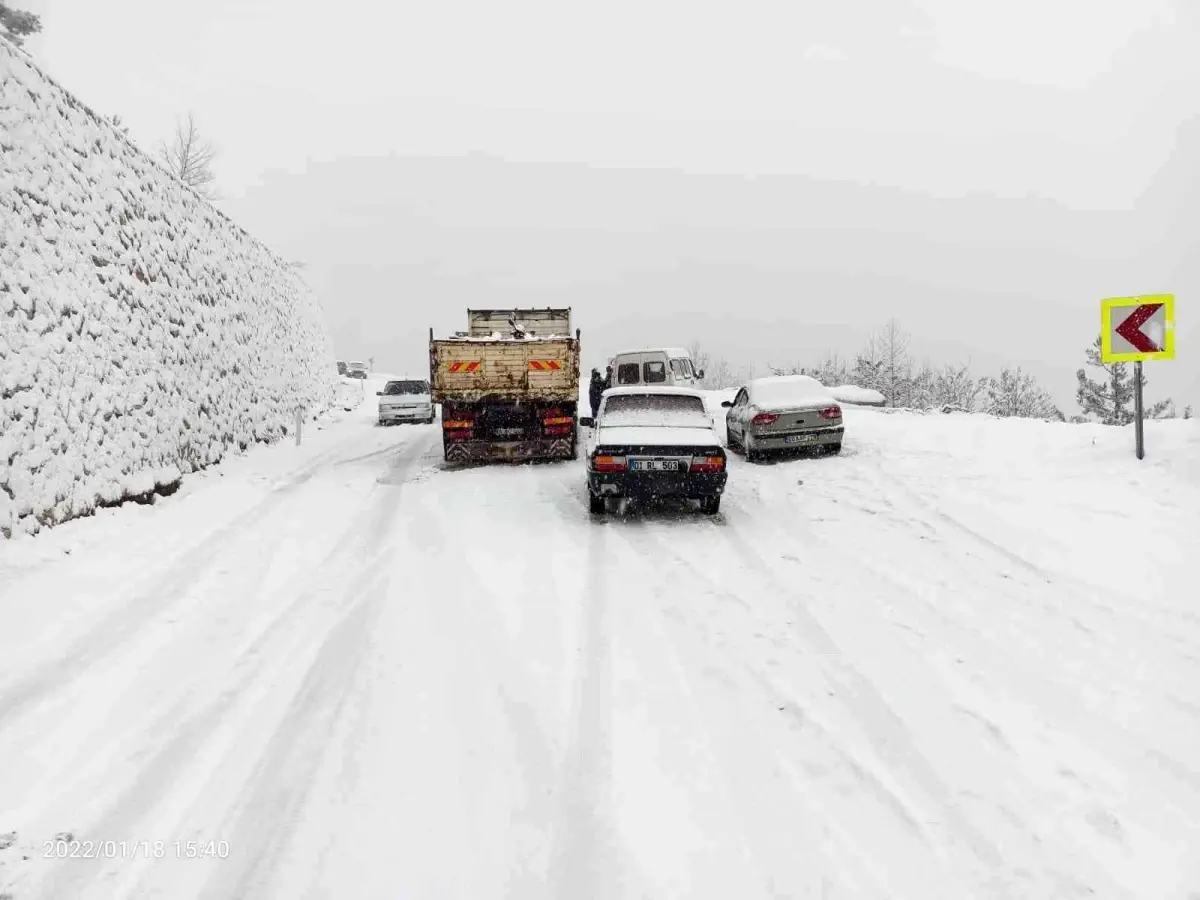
(406, 387)
(656, 409)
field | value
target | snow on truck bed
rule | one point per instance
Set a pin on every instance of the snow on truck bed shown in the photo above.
(958, 661)
(143, 335)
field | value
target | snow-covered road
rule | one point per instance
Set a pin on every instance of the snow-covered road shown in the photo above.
(961, 660)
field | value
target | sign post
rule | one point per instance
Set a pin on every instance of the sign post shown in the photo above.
(1135, 329)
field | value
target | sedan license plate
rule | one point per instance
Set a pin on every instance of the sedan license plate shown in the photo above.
(799, 438)
(655, 465)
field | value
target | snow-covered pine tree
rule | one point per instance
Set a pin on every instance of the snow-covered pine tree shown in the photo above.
(955, 388)
(1017, 394)
(1110, 401)
(867, 371)
(922, 387)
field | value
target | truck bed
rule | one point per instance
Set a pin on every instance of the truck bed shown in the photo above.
(470, 369)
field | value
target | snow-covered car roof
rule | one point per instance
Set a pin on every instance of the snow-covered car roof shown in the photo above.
(672, 352)
(654, 389)
(788, 389)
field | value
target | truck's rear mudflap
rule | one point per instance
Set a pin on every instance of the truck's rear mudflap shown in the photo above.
(509, 451)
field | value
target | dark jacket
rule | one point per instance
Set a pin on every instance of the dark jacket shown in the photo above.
(594, 391)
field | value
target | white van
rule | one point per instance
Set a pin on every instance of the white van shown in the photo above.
(664, 365)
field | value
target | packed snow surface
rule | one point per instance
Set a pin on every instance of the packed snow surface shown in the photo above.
(142, 334)
(960, 660)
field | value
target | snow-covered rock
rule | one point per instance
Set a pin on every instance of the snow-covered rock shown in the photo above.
(143, 335)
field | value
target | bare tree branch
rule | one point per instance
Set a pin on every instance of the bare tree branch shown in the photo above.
(189, 158)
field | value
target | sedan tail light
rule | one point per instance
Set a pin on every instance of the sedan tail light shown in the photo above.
(831, 412)
(764, 418)
(708, 464)
(609, 464)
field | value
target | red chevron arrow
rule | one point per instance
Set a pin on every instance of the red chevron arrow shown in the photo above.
(1131, 328)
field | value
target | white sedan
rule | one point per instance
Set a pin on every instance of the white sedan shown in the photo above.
(405, 401)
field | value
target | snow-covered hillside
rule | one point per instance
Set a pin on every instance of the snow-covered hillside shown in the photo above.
(958, 661)
(143, 335)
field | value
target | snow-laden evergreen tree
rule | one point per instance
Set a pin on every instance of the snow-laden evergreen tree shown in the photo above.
(1017, 394)
(955, 388)
(1109, 400)
(1187, 411)
(17, 24)
(922, 387)
(833, 371)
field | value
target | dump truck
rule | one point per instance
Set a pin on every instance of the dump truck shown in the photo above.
(508, 386)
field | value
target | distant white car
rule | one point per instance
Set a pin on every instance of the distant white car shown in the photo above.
(406, 400)
(356, 370)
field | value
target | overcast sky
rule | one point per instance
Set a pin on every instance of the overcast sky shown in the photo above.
(983, 170)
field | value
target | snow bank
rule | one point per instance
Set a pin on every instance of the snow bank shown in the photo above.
(849, 393)
(143, 335)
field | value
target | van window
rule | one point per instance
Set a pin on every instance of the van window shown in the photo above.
(627, 373)
(654, 372)
(677, 368)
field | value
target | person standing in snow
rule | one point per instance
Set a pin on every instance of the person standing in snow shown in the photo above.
(595, 390)
(608, 379)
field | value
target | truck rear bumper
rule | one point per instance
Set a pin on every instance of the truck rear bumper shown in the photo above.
(509, 451)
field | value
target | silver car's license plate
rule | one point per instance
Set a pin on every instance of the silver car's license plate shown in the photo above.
(655, 465)
(799, 438)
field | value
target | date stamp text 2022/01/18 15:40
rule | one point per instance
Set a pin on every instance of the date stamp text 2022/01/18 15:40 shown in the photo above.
(65, 847)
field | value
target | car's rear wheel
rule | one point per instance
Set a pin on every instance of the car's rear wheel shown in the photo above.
(710, 505)
(596, 504)
(748, 450)
(835, 448)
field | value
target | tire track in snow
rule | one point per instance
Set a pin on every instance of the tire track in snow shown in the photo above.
(1060, 713)
(796, 784)
(154, 601)
(284, 639)
(273, 798)
(582, 863)
(885, 730)
(1036, 688)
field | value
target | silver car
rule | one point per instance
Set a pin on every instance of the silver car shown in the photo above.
(405, 401)
(785, 412)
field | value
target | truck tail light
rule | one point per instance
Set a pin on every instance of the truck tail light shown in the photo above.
(831, 412)
(457, 424)
(557, 430)
(764, 418)
(609, 464)
(708, 464)
(558, 420)
(460, 434)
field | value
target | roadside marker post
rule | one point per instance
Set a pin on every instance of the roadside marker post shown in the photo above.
(1136, 329)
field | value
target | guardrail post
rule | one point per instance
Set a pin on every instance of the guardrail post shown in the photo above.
(299, 423)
